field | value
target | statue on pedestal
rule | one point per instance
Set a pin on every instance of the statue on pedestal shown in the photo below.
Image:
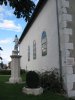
(15, 64)
(16, 43)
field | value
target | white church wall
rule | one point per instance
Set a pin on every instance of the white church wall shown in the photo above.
(46, 21)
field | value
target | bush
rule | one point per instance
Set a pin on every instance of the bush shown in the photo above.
(8, 72)
(51, 81)
(5, 72)
(22, 71)
(32, 79)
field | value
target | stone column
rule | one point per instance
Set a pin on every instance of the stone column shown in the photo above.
(67, 41)
(15, 68)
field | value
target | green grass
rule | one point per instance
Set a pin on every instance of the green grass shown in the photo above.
(14, 92)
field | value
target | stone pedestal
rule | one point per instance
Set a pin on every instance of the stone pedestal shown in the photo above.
(15, 68)
(35, 91)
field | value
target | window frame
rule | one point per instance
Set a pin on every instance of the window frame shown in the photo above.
(44, 43)
(34, 49)
(28, 53)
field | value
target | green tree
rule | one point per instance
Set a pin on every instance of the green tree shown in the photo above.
(22, 8)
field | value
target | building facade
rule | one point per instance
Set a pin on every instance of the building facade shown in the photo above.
(48, 40)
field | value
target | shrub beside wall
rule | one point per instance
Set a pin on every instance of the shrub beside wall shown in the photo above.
(22, 71)
(51, 81)
(32, 79)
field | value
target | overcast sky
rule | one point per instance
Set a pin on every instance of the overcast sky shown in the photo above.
(9, 27)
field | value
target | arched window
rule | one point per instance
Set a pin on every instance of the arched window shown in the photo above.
(44, 43)
(34, 49)
(28, 53)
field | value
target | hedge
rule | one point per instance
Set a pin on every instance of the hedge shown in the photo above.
(8, 72)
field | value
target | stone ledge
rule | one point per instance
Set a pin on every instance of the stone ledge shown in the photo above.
(35, 91)
(69, 46)
(64, 10)
(67, 31)
(70, 61)
(65, 3)
(67, 17)
(67, 52)
(64, 23)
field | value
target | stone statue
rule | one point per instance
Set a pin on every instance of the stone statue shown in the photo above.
(15, 64)
(16, 43)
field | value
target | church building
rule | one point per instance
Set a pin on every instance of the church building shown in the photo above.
(48, 40)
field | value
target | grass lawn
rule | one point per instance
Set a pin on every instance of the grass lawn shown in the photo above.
(14, 92)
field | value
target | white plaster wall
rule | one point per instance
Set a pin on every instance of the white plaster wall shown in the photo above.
(46, 21)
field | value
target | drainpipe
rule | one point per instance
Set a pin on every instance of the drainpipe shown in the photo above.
(60, 59)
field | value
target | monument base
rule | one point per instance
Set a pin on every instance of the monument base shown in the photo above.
(15, 68)
(35, 91)
(15, 80)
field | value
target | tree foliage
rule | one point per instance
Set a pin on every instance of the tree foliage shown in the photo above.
(22, 8)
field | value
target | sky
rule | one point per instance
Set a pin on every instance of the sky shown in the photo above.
(9, 27)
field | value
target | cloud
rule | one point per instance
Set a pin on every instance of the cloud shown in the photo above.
(6, 24)
(5, 11)
(7, 49)
(1, 8)
(9, 13)
(1, 13)
(1, 16)
(10, 25)
(6, 41)
(6, 57)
